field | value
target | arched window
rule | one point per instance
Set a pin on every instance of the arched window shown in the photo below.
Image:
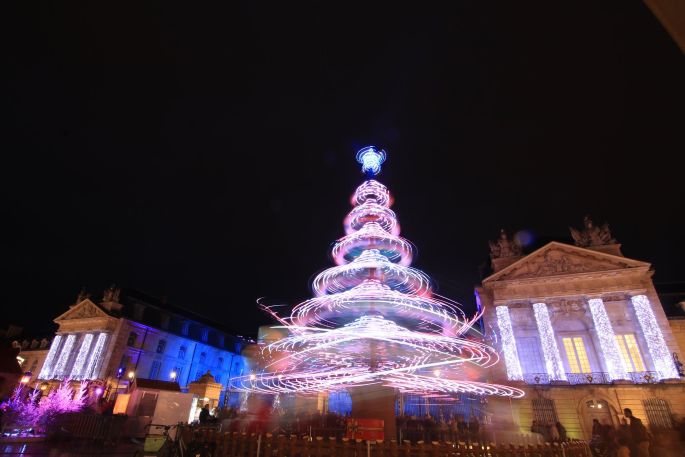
(220, 362)
(182, 352)
(132, 338)
(161, 346)
(203, 357)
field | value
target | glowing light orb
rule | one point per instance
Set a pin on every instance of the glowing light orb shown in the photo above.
(371, 159)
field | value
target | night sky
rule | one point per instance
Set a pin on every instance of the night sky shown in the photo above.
(206, 154)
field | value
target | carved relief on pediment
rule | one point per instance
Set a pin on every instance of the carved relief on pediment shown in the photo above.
(520, 316)
(84, 310)
(557, 261)
(567, 307)
(618, 297)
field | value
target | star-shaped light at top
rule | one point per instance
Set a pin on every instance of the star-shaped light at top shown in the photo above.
(371, 159)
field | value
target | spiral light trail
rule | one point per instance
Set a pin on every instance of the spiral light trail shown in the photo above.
(374, 319)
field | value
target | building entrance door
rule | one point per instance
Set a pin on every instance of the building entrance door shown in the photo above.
(597, 409)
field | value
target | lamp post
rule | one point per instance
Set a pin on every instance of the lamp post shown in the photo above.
(26, 377)
(131, 375)
(173, 375)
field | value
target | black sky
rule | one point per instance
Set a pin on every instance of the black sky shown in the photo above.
(206, 154)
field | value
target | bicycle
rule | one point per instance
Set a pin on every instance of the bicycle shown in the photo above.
(163, 445)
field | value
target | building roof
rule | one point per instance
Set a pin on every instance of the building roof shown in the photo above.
(132, 296)
(142, 383)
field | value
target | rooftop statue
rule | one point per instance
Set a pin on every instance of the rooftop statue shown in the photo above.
(592, 235)
(504, 247)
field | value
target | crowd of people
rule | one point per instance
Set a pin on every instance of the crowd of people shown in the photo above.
(452, 428)
(411, 428)
(630, 439)
(552, 432)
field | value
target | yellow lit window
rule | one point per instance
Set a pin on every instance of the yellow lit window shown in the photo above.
(576, 355)
(630, 352)
(571, 355)
(582, 354)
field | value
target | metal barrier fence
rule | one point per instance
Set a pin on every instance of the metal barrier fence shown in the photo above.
(95, 427)
(266, 445)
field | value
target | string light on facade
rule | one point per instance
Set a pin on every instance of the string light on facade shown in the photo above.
(374, 319)
(511, 357)
(64, 355)
(46, 370)
(95, 359)
(550, 350)
(79, 364)
(661, 356)
(607, 340)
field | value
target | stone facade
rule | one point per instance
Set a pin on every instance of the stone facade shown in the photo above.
(123, 337)
(589, 336)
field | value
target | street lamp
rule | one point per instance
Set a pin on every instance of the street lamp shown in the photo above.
(173, 375)
(25, 378)
(131, 375)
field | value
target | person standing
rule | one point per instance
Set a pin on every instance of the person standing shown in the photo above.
(474, 428)
(204, 415)
(638, 433)
(562, 431)
(553, 433)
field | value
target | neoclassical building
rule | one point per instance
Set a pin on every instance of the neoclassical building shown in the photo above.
(581, 330)
(131, 335)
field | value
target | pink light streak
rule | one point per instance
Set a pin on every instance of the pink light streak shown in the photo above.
(374, 320)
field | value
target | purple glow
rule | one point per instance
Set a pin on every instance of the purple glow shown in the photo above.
(29, 411)
(98, 391)
(374, 319)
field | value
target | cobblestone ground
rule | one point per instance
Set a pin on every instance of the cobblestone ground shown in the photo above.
(124, 449)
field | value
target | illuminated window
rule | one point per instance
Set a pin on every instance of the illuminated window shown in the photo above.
(576, 354)
(154, 370)
(630, 352)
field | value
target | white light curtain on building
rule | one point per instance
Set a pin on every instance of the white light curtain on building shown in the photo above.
(607, 340)
(95, 359)
(550, 350)
(46, 371)
(511, 357)
(80, 362)
(661, 356)
(61, 367)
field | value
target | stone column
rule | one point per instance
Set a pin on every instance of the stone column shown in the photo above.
(62, 368)
(661, 356)
(80, 362)
(611, 353)
(511, 357)
(550, 350)
(95, 360)
(46, 370)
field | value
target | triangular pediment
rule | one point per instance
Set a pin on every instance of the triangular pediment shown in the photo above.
(84, 310)
(555, 259)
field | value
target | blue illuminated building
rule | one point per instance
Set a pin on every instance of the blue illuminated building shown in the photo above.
(128, 335)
